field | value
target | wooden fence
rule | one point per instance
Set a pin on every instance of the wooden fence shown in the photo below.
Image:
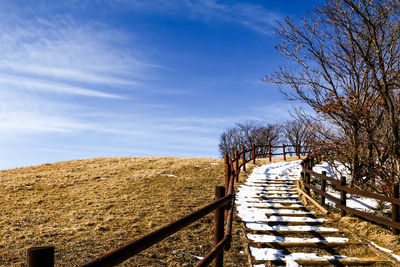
(317, 182)
(224, 203)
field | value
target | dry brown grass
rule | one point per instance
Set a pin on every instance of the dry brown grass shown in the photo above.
(372, 232)
(362, 231)
(87, 207)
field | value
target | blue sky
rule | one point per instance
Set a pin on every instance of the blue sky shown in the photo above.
(82, 79)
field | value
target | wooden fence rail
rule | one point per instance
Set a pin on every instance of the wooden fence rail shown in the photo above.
(340, 203)
(224, 203)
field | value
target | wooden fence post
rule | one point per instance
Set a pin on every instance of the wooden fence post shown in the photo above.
(253, 150)
(284, 153)
(308, 179)
(237, 164)
(244, 158)
(395, 208)
(227, 171)
(343, 195)
(232, 173)
(298, 151)
(323, 188)
(269, 152)
(219, 226)
(41, 257)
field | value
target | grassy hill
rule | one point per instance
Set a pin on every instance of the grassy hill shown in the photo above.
(86, 207)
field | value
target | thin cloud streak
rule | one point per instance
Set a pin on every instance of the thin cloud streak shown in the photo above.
(51, 87)
(64, 73)
(254, 17)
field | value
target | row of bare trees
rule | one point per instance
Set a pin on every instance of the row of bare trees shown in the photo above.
(260, 134)
(347, 55)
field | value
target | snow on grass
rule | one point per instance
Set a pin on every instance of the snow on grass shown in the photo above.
(353, 201)
(282, 239)
(259, 226)
(359, 203)
(397, 257)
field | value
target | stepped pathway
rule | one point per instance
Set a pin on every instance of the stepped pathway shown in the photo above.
(281, 231)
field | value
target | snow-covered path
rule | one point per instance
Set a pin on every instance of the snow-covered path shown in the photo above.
(280, 230)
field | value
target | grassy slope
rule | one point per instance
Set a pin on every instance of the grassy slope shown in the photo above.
(86, 207)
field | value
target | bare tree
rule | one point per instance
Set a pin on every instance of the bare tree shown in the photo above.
(248, 133)
(348, 60)
(298, 132)
(230, 140)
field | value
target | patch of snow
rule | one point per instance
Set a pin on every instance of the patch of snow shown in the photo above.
(397, 257)
(358, 203)
(353, 201)
(259, 226)
(197, 257)
(101, 178)
(171, 175)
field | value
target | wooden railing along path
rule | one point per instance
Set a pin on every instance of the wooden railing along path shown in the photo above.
(224, 203)
(321, 179)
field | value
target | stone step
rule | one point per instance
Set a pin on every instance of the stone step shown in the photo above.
(260, 200)
(279, 191)
(296, 241)
(285, 229)
(311, 223)
(292, 214)
(283, 201)
(276, 206)
(280, 182)
(289, 220)
(279, 197)
(280, 188)
(272, 254)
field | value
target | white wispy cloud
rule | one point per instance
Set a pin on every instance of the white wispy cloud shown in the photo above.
(64, 73)
(47, 58)
(65, 53)
(16, 82)
(253, 16)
